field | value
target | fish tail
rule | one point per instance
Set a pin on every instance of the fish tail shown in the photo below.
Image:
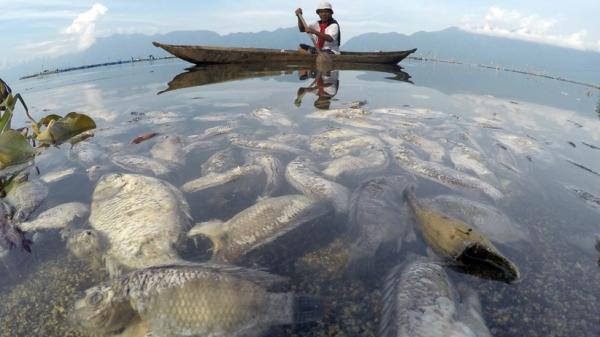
(307, 308)
(213, 230)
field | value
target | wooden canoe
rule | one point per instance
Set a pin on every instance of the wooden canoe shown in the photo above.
(217, 73)
(225, 55)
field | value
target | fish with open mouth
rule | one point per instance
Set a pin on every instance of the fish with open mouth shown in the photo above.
(459, 242)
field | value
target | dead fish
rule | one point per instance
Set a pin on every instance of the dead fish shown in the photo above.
(378, 217)
(271, 118)
(324, 140)
(215, 131)
(364, 163)
(434, 150)
(264, 145)
(219, 162)
(55, 176)
(193, 300)
(419, 300)
(488, 219)
(142, 219)
(301, 174)
(169, 149)
(410, 112)
(457, 241)
(219, 117)
(271, 166)
(442, 174)
(57, 217)
(25, 197)
(467, 159)
(589, 198)
(257, 225)
(217, 179)
(142, 164)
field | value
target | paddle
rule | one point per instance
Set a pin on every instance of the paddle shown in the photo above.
(324, 60)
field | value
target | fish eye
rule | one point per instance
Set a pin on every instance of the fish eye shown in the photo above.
(95, 298)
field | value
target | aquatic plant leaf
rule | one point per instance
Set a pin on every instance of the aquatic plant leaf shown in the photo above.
(64, 128)
(14, 148)
(46, 120)
(5, 120)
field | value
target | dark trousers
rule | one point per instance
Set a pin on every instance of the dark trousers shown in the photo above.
(313, 50)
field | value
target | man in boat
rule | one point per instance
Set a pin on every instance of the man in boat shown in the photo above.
(326, 31)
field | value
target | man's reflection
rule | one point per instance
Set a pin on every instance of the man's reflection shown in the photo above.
(325, 85)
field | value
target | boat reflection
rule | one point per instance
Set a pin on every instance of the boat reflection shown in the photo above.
(218, 73)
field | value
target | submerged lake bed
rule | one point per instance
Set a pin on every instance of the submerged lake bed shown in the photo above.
(329, 156)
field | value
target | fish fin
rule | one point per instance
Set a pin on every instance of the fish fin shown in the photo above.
(113, 267)
(361, 262)
(307, 308)
(257, 276)
(388, 325)
(212, 229)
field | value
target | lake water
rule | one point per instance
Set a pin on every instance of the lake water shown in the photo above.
(539, 139)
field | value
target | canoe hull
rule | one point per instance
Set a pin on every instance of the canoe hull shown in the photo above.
(223, 55)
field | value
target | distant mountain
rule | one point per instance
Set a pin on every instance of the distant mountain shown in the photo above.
(459, 45)
(451, 43)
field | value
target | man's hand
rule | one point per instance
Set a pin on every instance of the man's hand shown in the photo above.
(298, 11)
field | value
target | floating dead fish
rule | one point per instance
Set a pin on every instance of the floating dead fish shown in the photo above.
(442, 174)
(271, 118)
(219, 162)
(264, 145)
(301, 174)
(419, 300)
(57, 217)
(142, 164)
(271, 166)
(435, 151)
(55, 176)
(489, 220)
(141, 218)
(363, 164)
(215, 131)
(219, 117)
(169, 149)
(410, 112)
(467, 159)
(25, 197)
(193, 300)
(378, 217)
(258, 225)
(217, 179)
(457, 241)
(324, 140)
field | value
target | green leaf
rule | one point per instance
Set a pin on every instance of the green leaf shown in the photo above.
(14, 148)
(46, 120)
(64, 128)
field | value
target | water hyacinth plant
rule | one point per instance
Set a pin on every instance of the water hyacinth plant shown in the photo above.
(18, 149)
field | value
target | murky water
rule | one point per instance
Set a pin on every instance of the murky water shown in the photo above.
(538, 138)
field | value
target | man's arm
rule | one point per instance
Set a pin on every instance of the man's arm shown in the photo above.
(300, 25)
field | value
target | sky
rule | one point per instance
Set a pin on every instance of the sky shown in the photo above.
(50, 28)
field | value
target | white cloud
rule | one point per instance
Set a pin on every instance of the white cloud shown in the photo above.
(512, 24)
(84, 26)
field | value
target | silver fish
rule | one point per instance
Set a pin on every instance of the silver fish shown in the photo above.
(323, 141)
(264, 145)
(420, 301)
(378, 216)
(219, 162)
(301, 174)
(142, 219)
(142, 164)
(349, 165)
(435, 151)
(57, 217)
(257, 225)
(169, 149)
(193, 300)
(442, 174)
(25, 197)
(271, 118)
(55, 176)
(271, 166)
(468, 159)
(217, 179)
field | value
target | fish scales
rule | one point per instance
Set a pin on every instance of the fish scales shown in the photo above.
(420, 301)
(196, 300)
(301, 174)
(260, 224)
(142, 217)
